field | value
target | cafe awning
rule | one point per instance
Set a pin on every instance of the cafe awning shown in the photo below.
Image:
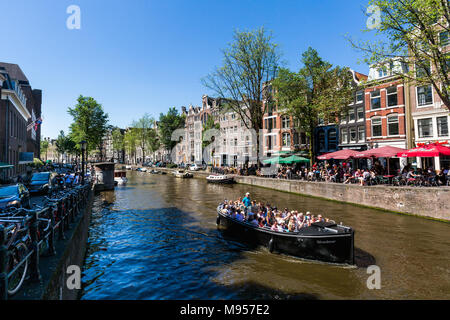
(339, 155)
(383, 152)
(274, 160)
(427, 151)
(294, 159)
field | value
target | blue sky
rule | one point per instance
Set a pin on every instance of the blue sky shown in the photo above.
(143, 56)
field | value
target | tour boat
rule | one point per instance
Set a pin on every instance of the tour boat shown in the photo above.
(182, 174)
(322, 241)
(219, 179)
(120, 177)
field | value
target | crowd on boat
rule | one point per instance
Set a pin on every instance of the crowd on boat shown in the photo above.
(263, 215)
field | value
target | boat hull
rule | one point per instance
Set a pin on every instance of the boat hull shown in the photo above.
(311, 245)
(223, 181)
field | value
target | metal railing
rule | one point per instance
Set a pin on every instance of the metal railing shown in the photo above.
(36, 230)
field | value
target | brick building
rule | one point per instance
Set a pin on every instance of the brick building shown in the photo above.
(20, 107)
(385, 106)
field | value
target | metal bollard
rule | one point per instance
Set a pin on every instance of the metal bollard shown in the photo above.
(35, 275)
(3, 265)
(51, 236)
(61, 235)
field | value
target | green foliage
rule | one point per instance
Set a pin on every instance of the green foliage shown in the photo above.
(209, 125)
(131, 141)
(167, 124)
(117, 140)
(411, 32)
(317, 91)
(44, 147)
(89, 123)
(146, 133)
(249, 63)
(172, 165)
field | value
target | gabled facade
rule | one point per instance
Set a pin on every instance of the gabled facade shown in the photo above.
(385, 106)
(352, 128)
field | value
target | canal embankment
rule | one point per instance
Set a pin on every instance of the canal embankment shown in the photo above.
(426, 202)
(70, 250)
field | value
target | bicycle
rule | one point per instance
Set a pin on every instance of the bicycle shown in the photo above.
(18, 243)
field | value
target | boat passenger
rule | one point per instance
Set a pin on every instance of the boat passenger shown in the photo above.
(291, 225)
(253, 221)
(246, 201)
(240, 215)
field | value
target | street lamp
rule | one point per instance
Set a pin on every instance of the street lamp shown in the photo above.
(83, 150)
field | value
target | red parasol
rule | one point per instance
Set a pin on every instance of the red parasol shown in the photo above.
(338, 155)
(383, 152)
(426, 151)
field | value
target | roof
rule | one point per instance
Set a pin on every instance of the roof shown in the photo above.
(14, 71)
(361, 76)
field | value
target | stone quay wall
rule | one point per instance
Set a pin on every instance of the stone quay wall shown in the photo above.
(426, 202)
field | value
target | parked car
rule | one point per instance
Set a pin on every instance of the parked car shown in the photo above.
(41, 182)
(16, 195)
(194, 167)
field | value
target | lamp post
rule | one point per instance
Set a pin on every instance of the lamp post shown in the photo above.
(83, 150)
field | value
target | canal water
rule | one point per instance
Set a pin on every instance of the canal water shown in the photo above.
(157, 238)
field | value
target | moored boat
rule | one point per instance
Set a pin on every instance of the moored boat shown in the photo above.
(182, 174)
(120, 177)
(322, 241)
(219, 179)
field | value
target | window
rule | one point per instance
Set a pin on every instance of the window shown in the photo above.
(321, 140)
(392, 96)
(360, 112)
(351, 114)
(235, 142)
(382, 72)
(285, 122)
(361, 134)
(344, 136)
(443, 38)
(375, 100)
(286, 139)
(359, 96)
(376, 127)
(424, 95)
(332, 139)
(392, 121)
(425, 127)
(352, 134)
(442, 126)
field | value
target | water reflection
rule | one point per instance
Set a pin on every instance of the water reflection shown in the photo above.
(157, 239)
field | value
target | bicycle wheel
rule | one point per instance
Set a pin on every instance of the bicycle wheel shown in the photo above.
(16, 280)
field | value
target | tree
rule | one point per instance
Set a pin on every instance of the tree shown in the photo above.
(131, 142)
(118, 141)
(413, 32)
(249, 63)
(317, 91)
(168, 123)
(143, 128)
(44, 148)
(89, 123)
(60, 144)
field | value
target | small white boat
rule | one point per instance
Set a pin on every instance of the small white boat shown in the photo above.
(120, 178)
(128, 167)
(219, 179)
(182, 174)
